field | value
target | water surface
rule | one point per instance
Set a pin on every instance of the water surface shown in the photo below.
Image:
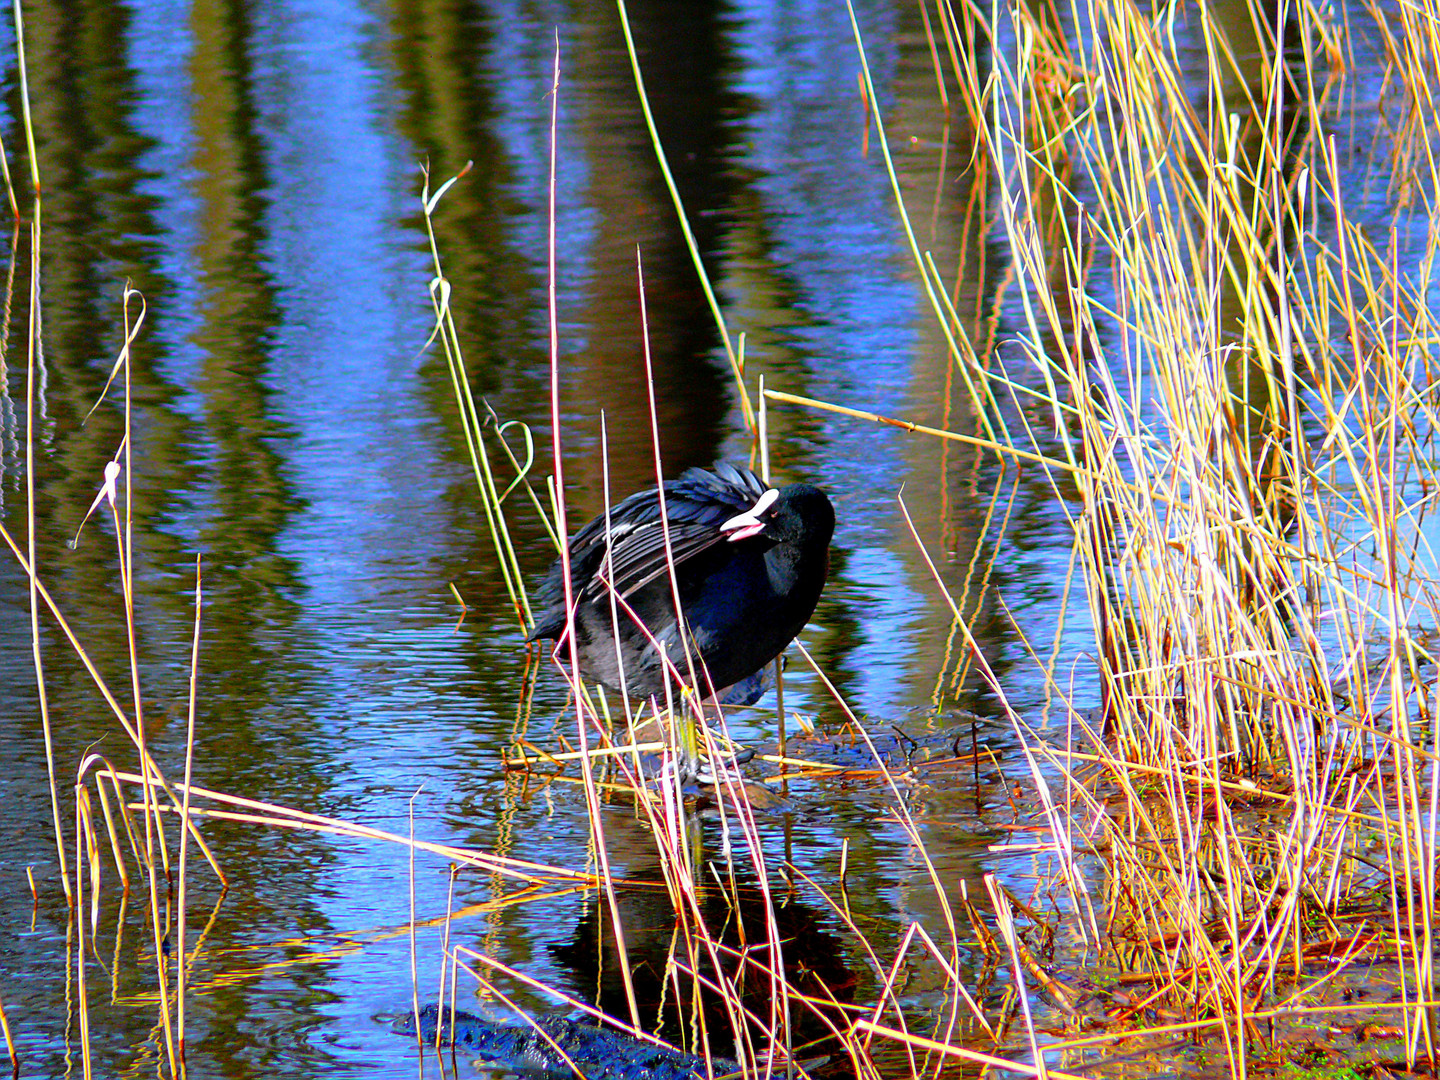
(255, 172)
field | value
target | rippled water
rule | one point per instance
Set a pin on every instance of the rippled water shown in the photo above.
(253, 170)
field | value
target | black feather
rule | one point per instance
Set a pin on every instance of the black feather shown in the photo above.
(743, 601)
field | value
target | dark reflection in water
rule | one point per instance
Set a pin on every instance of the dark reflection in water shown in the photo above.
(815, 963)
(253, 170)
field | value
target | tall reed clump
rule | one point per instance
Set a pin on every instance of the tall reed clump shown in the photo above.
(1248, 427)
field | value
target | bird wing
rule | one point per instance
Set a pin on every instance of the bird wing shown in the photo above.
(638, 557)
(696, 505)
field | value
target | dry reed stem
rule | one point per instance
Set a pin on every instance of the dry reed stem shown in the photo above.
(287, 817)
(4, 1020)
(990, 1061)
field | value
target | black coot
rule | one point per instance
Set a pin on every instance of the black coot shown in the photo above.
(750, 562)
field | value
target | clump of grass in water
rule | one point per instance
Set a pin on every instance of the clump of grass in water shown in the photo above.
(1252, 564)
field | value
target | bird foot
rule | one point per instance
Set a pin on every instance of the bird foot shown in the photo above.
(710, 772)
(707, 772)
